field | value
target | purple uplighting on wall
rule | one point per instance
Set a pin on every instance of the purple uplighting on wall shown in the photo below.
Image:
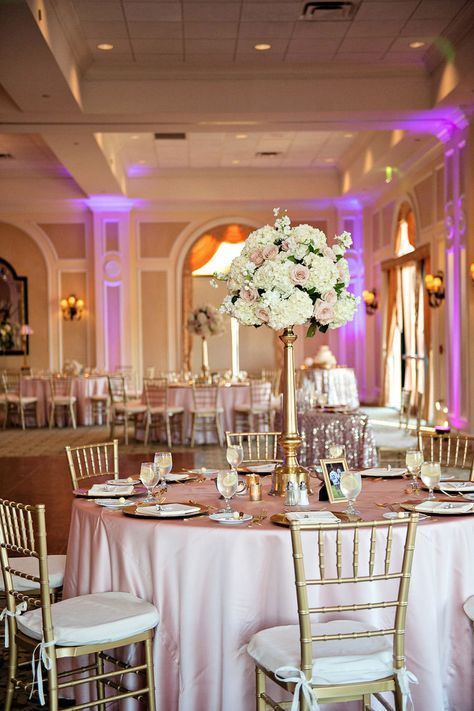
(112, 203)
(112, 300)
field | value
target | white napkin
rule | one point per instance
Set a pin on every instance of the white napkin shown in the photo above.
(109, 490)
(262, 468)
(177, 477)
(313, 516)
(167, 510)
(460, 486)
(444, 506)
(380, 471)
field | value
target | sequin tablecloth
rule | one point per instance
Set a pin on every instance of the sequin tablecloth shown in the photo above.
(339, 384)
(319, 430)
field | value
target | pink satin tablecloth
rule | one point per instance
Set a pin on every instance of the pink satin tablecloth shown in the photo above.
(83, 389)
(215, 586)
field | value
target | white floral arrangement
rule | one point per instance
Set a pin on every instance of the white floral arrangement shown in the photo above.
(8, 334)
(206, 321)
(287, 276)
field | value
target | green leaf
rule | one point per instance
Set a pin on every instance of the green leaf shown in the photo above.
(312, 329)
(323, 329)
(293, 259)
(234, 299)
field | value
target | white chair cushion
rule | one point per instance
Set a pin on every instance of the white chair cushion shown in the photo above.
(63, 400)
(25, 400)
(171, 410)
(131, 408)
(254, 409)
(334, 662)
(207, 413)
(30, 566)
(469, 607)
(93, 619)
(99, 398)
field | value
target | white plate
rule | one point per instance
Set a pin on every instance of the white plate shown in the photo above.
(122, 482)
(203, 471)
(402, 514)
(229, 519)
(262, 468)
(112, 503)
(383, 472)
(463, 487)
(176, 477)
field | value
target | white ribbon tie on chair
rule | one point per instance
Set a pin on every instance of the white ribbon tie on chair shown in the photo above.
(405, 678)
(296, 676)
(22, 607)
(44, 660)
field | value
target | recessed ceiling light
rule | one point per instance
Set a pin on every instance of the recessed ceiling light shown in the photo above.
(263, 47)
(348, 135)
(416, 45)
(329, 160)
(135, 136)
(105, 46)
(142, 162)
(241, 135)
(235, 162)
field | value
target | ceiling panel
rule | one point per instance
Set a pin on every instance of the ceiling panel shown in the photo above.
(158, 12)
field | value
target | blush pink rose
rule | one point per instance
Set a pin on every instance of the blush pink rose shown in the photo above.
(270, 251)
(249, 294)
(327, 252)
(299, 274)
(285, 245)
(263, 314)
(323, 312)
(330, 297)
(257, 257)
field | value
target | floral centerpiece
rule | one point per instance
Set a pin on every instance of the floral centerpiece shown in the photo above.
(287, 276)
(205, 321)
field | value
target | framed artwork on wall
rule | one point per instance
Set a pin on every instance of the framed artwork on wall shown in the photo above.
(13, 311)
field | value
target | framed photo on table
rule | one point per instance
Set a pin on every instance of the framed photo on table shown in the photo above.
(333, 469)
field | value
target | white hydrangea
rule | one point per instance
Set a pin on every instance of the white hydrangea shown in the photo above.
(339, 250)
(342, 267)
(344, 309)
(245, 313)
(345, 239)
(323, 274)
(293, 311)
(241, 268)
(275, 275)
(309, 235)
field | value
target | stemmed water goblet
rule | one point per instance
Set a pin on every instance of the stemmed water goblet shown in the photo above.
(431, 476)
(149, 479)
(227, 483)
(234, 455)
(351, 485)
(163, 462)
(336, 450)
(414, 460)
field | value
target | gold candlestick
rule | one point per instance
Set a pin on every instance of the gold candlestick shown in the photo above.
(205, 360)
(290, 439)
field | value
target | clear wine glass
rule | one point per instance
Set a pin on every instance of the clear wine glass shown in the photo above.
(351, 485)
(149, 479)
(164, 463)
(336, 450)
(227, 483)
(414, 460)
(234, 455)
(431, 476)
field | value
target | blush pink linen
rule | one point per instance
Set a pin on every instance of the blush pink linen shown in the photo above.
(215, 586)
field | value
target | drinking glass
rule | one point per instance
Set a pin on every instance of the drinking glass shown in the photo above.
(234, 455)
(336, 451)
(431, 476)
(227, 482)
(164, 463)
(351, 485)
(149, 479)
(414, 460)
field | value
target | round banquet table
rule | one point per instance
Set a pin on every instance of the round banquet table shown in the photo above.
(339, 383)
(215, 586)
(83, 388)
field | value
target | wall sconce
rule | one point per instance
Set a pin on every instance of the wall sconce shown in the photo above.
(471, 269)
(435, 289)
(25, 332)
(72, 308)
(370, 301)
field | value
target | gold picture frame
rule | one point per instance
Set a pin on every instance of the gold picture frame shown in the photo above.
(332, 470)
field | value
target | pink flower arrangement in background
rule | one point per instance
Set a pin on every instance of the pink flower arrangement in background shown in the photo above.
(206, 321)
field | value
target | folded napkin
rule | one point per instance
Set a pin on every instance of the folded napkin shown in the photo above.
(381, 471)
(444, 506)
(262, 468)
(460, 486)
(177, 477)
(168, 510)
(110, 490)
(312, 516)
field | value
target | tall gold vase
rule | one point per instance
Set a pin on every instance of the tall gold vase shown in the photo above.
(290, 439)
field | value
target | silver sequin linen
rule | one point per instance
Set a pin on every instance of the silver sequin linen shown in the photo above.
(321, 430)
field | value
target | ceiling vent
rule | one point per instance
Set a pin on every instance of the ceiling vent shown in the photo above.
(6, 156)
(267, 154)
(329, 10)
(170, 136)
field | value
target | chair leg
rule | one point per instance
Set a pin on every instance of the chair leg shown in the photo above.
(193, 429)
(73, 416)
(125, 424)
(260, 689)
(220, 435)
(53, 704)
(366, 702)
(398, 697)
(168, 430)
(12, 665)
(22, 417)
(100, 670)
(51, 417)
(149, 674)
(147, 428)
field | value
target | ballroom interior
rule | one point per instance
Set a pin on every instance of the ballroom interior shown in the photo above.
(141, 143)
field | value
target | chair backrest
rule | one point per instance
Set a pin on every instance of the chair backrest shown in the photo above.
(205, 397)
(92, 460)
(23, 535)
(130, 378)
(260, 393)
(452, 450)
(11, 383)
(156, 392)
(344, 554)
(274, 377)
(257, 446)
(117, 391)
(61, 386)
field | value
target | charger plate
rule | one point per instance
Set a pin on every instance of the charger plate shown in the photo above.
(279, 519)
(132, 511)
(448, 509)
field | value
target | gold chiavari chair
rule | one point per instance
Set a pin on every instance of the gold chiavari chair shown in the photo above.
(258, 447)
(454, 451)
(206, 413)
(159, 411)
(92, 460)
(343, 659)
(61, 399)
(16, 401)
(258, 413)
(122, 409)
(86, 625)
